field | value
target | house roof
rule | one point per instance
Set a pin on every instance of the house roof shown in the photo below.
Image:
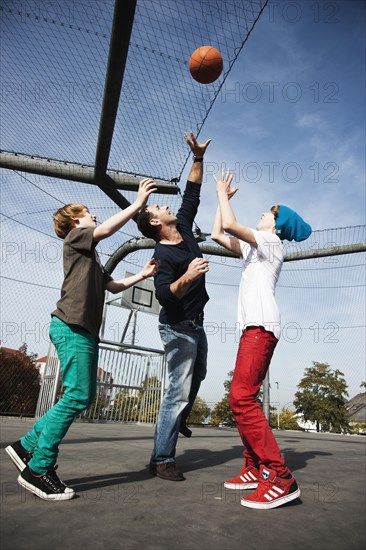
(356, 405)
(10, 351)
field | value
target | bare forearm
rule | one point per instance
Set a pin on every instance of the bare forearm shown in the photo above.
(196, 172)
(218, 235)
(198, 151)
(227, 214)
(114, 223)
(197, 268)
(230, 224)
(217, 229)
(123, 284)
(181, 286)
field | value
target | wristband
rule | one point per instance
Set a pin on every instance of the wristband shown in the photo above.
(197, 159)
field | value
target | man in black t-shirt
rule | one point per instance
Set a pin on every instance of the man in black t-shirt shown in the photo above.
(180, 289)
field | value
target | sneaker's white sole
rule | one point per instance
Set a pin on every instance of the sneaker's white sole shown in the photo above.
(15, 458)
(56, 497)
(274, 504)
(240, 486)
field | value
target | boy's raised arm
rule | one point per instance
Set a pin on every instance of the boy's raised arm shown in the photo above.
(114, 223)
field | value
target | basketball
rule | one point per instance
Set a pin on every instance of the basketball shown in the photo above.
(205, 64)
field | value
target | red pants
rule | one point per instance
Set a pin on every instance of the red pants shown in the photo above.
(254, 356)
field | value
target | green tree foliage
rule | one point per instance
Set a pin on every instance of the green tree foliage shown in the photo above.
(96, 411)
(19, 382)
(125, 406)
(149, 400)
(199, 412)
(273, 420)
(136, 405)
(221, 412)
(288, 420)
(321, 398)
(358, 427)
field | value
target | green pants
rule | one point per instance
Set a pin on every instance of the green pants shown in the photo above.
(77, 351)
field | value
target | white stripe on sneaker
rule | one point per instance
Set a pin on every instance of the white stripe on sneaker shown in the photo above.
(269, 503)
(272, 493)
(248, 476)
(275, 488)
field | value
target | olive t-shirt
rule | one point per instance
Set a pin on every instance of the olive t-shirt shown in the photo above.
(82, 292)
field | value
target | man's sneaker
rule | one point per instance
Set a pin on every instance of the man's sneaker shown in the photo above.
(167, 470)
(272, 491)
(19, 455)
(46, 486)
(247, 479)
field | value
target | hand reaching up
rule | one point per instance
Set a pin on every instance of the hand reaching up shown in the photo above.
(198, 149)
(146, 187)
(224, 185)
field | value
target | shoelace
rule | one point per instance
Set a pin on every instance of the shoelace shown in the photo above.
(52, 479)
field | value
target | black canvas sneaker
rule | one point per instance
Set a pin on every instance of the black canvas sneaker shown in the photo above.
(19, 455)
(47, 486)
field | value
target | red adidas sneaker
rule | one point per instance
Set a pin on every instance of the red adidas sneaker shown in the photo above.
(247, 479)
(272, 491)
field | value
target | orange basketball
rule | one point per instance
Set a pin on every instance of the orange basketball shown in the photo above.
(205, 64)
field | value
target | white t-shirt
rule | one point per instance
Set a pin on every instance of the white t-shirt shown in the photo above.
(261, 268)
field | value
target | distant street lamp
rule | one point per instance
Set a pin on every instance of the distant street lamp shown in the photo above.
(278, 405)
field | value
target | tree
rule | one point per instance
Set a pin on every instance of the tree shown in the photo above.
(321, 398)
(19, 382)
(125, 406)
(288, 420)
(149, 400)
(199, 412)
(272, 410)
(133, 405)
(222, 412)
(97, 409)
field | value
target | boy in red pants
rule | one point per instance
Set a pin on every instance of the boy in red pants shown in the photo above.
(261, 250)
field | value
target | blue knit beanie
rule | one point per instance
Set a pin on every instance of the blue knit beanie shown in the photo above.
(290, 226)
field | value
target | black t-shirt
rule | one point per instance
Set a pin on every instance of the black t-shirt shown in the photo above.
(174, 260)
(82, 292)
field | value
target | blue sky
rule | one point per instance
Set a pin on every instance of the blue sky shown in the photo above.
(292, 112)
(290, 122)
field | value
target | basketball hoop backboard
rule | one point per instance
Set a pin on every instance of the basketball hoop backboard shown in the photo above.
(140, 297)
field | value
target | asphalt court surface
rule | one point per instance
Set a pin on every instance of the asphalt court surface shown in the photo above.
(120, 505)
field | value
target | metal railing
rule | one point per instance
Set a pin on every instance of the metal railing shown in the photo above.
(130, 384)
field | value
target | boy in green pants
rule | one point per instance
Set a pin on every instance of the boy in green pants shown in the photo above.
(74, 331)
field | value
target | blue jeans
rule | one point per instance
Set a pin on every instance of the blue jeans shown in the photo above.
(77, 351)
(185, 346)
